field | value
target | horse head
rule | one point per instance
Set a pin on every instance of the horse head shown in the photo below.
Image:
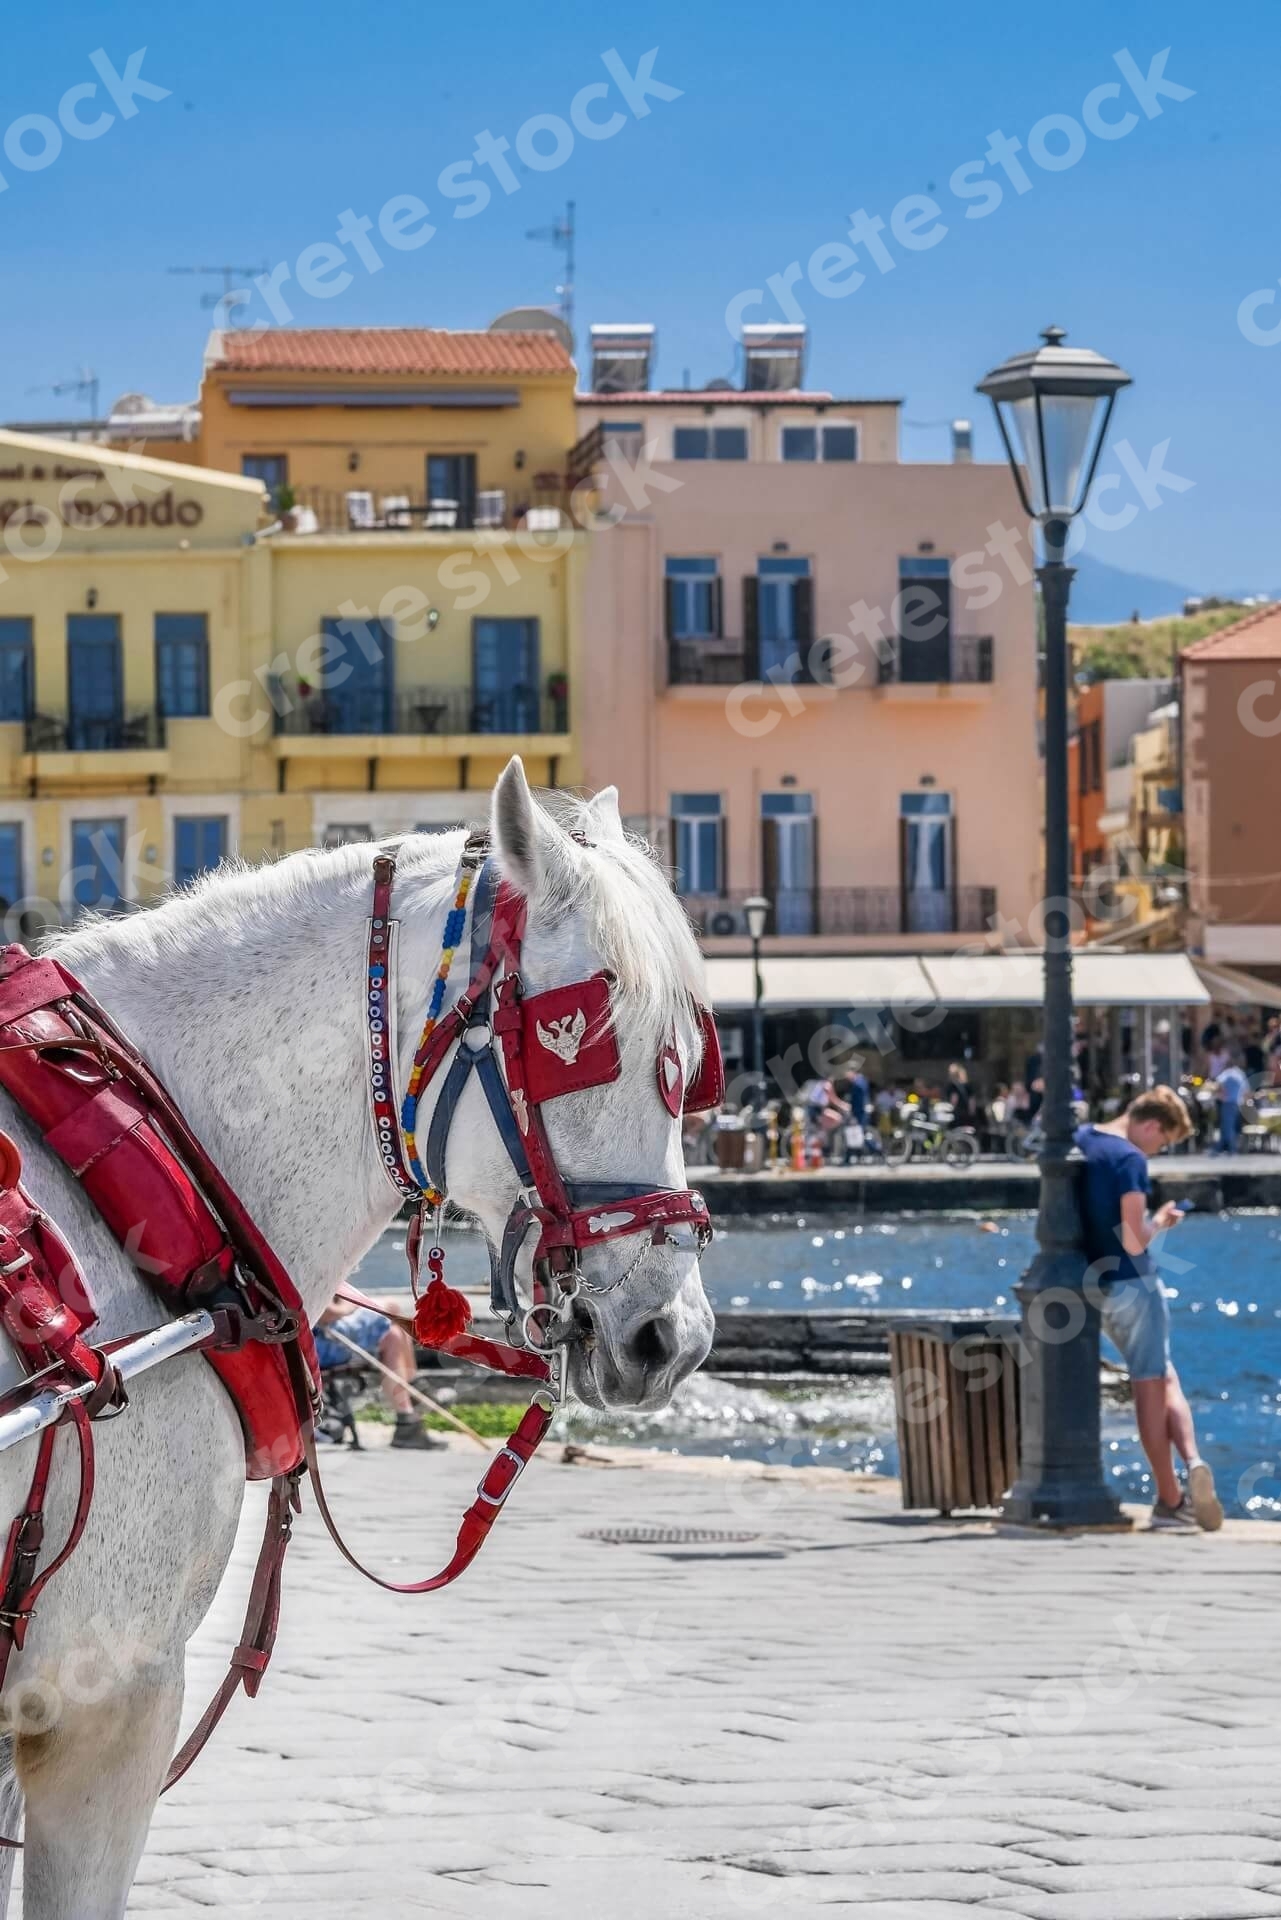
(599, 914)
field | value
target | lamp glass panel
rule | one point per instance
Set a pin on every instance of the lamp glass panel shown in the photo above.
(1072, 423)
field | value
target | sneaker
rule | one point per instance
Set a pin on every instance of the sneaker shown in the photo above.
(1206, 1504)
(1180, 1519)
(410, 1432)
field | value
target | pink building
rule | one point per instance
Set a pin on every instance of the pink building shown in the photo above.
(811, 667)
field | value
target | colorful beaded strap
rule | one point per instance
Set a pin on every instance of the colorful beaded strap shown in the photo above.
(393, 1127)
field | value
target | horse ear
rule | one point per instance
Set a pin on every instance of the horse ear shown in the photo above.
(601, 817)
(529, 845)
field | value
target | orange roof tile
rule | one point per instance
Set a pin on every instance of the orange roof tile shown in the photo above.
(393, 350)
(1257, 637)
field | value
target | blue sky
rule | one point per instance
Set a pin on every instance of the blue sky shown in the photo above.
(789, 120)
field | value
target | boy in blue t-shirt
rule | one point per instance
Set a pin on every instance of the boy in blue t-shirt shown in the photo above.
(1119, 1229)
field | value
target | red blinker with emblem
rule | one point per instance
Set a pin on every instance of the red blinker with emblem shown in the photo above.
(567, 1038)
(707, 1089)
(671, 1080)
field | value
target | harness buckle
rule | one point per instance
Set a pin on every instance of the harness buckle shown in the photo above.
(519, 1464)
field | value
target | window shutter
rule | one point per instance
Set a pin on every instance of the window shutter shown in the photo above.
(816, 922)
(803, 610)
(954, 892)
(671, 852)
(769, 862)
(722, 855)
(902, 875)
(669, 608)
(751, 627)
(718, 607)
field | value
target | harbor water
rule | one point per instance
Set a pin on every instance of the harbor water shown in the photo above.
(1222, 1272)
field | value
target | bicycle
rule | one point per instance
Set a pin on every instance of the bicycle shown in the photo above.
(931, 1137)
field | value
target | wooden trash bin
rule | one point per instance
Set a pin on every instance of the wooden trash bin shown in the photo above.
(956, 1397)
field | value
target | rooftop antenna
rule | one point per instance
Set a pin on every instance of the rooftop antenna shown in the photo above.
(231, 296)
(85, 384)
(561, 234)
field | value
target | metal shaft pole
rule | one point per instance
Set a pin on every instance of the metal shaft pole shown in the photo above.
(758, 1017)
(1060, 1472)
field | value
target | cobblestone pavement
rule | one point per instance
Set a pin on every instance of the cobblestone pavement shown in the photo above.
(851, 1708)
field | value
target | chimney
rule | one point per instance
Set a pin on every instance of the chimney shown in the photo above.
(962, 443)
(622, 358)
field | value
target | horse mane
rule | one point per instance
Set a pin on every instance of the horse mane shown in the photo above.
(633, 919)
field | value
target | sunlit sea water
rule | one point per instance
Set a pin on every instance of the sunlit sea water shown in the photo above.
(1223, 1273)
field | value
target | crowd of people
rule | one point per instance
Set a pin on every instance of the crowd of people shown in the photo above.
(844, 1116)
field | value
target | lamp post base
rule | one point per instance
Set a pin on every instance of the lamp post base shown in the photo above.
(1060, 1481)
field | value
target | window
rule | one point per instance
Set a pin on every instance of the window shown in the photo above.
(347, 836)
(693, 591)
(505, 676)
(95, 683)
(923, 621)
(709, 443)
(357, 695)
(784, 615)
(698, 843)
(626, 435)
(182, 665)
(271, 468)
(812, 443)
(10, 864)
(729, 443)
(199, 845)
(15, 670)
(800, 443)
(788, 859)
(451, 479)
(926, 858)
(98, 863)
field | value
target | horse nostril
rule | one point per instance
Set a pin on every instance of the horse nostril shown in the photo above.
(654, 1344)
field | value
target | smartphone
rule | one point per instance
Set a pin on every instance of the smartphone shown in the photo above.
(1184, 1206)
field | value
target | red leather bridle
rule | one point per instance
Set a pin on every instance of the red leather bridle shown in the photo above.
(526, 1050)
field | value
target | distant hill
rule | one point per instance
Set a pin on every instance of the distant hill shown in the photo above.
(1103, 596)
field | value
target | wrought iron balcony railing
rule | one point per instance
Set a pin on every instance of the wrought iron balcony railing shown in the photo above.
(849, 910)
(132, 728)
(714, 662)
(417, 710)
(952, 659)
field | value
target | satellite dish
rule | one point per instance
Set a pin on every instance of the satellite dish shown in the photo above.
(534, 320)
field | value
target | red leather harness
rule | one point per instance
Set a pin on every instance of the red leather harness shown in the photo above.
(112, 1123)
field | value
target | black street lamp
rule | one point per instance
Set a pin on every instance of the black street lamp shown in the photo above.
(756, 911)
(1053, 406)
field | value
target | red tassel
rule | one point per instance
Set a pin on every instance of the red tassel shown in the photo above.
(441, 1315)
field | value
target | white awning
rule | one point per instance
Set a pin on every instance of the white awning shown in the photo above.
(1230, 987)
(820, 980)
(1098, 980)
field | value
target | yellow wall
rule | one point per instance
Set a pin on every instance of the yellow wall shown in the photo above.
(392, 442)
(177, 538)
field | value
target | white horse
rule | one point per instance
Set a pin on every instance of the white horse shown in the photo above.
(246, 995)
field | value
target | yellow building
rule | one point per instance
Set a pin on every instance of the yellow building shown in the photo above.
(333, 612)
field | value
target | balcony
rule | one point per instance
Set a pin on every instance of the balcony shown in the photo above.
(962, 660)
(417, 712)
(138, 729)
(860, 911)
(716, 662)
(403, 509)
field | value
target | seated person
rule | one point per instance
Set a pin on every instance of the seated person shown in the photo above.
(375, 1333)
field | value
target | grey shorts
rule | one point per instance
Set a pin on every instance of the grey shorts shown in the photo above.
(1136, 1319)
